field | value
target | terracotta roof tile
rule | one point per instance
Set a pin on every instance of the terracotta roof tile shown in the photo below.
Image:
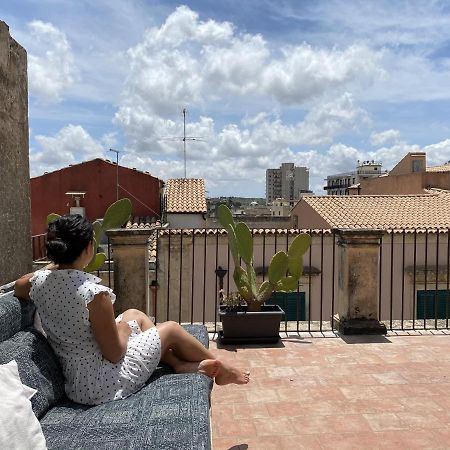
(442, 168)
(138, 223)
(430, 210)
(185, 195)
(255, 231)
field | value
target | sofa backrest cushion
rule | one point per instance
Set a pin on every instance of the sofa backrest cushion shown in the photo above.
(15, 315)
(38, 365)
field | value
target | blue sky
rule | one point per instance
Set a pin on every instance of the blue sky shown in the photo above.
(318, 83)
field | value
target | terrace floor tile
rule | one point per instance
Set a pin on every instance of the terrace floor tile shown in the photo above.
(312, 392)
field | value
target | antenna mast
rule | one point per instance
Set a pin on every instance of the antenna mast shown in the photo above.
(184, 140)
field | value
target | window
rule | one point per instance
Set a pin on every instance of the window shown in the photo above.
(433, 304)
(292, 303)
(417, 166)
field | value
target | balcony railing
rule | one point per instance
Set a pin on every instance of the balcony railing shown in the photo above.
(413, 287)
(38, 243)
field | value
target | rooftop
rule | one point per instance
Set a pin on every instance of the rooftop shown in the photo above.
(103, 161)
(329, 393)
(441, 168)
(186, 195)
(428, 210)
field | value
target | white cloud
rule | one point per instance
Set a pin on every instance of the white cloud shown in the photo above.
(69, 145)
(438, 154)
(109, 140)
(51, 66)
(188, 61)
(384, 137)
(305, 72)
(184, 24)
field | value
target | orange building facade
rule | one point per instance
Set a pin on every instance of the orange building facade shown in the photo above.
(92, 185)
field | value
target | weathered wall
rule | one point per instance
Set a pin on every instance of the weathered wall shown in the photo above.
(15, 228)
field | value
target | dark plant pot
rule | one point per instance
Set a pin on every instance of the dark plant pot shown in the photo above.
(256, 327)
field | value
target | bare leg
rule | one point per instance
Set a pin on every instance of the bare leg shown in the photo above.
(141, 318)
(185, 347)
(209, 367)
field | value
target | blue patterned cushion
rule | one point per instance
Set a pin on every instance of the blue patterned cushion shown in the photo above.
(200, 332)
(38, 367)
(170, 413)
(15, 315)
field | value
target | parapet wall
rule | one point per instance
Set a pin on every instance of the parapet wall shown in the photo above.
(15, 225)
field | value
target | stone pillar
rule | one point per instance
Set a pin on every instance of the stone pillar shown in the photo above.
(130, 251)
(358, 282)
(15, 218)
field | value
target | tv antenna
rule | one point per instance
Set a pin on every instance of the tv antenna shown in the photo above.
(185, 138)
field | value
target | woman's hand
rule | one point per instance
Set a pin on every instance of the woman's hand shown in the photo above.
(124, 329)
(22, 287)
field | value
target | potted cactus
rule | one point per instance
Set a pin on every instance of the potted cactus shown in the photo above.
(284, 272)
(116, 215)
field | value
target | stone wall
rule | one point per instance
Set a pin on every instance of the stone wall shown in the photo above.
(15, 227)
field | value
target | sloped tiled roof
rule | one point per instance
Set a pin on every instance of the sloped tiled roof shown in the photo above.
(442, 168)
(185, 195)
(139, 223)
(430, 210)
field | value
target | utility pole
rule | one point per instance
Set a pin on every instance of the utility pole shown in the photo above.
(117, 171)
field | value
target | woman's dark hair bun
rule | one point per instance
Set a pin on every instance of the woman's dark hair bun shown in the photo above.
(67, 237)
(56, 249)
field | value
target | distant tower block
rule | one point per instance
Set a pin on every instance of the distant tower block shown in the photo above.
(288, 182)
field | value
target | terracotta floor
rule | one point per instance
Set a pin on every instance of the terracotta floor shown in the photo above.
(327, 393)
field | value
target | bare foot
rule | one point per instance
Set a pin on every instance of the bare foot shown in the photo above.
(208, 367)
(231, 375)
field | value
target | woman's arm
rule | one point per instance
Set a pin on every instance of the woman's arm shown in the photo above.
(111, 337)
(22, 286)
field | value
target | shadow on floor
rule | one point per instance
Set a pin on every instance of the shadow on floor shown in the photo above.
(296, 340)
(235, 347)
(365, 339)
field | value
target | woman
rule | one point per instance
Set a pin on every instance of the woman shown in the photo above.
(104, 358)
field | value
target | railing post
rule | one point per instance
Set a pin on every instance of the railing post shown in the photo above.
(358, 279)
(131, 268)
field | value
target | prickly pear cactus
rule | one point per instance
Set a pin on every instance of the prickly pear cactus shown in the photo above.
(116, 216)
(285, 269)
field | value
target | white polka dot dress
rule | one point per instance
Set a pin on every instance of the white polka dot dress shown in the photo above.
(61, 297)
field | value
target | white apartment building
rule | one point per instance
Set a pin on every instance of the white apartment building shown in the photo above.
(288, 182)
(338, 184)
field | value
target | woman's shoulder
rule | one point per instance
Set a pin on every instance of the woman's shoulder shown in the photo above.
(79, 276)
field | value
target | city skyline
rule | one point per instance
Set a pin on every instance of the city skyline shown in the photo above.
(319, 84)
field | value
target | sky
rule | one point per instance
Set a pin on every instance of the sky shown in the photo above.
(321, 84)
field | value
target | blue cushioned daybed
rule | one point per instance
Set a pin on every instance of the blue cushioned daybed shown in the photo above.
(170, 412)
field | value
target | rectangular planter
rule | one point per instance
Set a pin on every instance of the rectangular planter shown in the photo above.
(243, 327)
